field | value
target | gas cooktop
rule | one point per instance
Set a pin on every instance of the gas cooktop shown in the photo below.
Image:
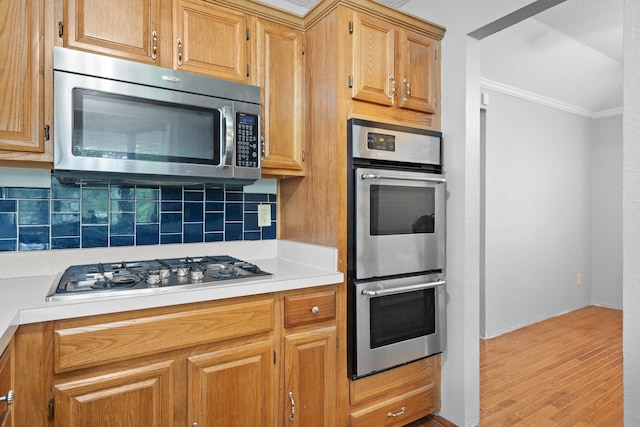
(134, 277)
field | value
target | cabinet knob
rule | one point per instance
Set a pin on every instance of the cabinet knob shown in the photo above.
(315, 309)
(8, 398)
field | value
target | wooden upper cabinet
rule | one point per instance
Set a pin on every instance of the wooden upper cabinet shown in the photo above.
(416, 67)
(393, 66)
(373, 59)
(121, 28)
(22, 80)
(211, 40)
(280, 74)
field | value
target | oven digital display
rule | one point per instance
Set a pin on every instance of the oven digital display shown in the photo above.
(380, 141)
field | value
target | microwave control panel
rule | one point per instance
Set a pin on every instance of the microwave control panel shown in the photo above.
(247, 129)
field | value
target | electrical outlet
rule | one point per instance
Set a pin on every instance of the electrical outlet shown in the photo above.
(264, 215)
(579, 279)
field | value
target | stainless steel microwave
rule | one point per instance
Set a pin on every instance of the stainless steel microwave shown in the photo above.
(135, 122)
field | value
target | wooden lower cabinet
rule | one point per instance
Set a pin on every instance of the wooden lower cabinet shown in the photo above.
(219, 363)
(398, 396)
(6, 386)
(232, 387)
(141, 396)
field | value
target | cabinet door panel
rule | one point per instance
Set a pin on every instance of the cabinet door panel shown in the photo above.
(132, 398)
(21, 77)
(373, 60)
(232, 387)
(310, 362)
(121, 28)
(213, 40)
(416, 71)
(280, 75)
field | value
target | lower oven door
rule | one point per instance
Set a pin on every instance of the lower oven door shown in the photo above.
(399, 222)
(397, 321)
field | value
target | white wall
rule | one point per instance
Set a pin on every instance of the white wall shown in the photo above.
(606, 212)
(631, 213)
(538, 213)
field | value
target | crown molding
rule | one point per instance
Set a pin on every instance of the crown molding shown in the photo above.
(549, 102)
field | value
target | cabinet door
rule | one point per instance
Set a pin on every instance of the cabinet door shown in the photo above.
(232, 387)
(6, 384)
(280, 74)
(373, 51)
(310, 379)
(416, 71)
(132, 398)
(21, 79)
(210, 40)
(128, 29)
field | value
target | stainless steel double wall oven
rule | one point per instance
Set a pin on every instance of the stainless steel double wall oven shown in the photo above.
(396, 246)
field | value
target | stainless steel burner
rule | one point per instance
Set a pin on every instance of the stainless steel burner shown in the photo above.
(129, 278)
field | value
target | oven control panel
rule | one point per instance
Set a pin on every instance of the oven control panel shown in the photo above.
(381, 141)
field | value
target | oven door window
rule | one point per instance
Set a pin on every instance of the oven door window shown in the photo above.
(397, 210)
(124, 127)
(400, 317)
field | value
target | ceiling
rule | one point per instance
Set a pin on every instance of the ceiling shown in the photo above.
(569, 56)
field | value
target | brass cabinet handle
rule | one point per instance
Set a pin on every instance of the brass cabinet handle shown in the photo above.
(154, 44)
(393, 86)
(293, 406)
(407, 92)
(179, 52)
(397, 414)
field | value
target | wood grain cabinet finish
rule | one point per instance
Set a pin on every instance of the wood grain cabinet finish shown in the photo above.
(164, 367)
(280, 74)
(393, 67)
(310, 354)
(6, 385)
(211, 40)
(398, 396)
(232, 387)
(22, 82)
(121, 28)
(127, 398)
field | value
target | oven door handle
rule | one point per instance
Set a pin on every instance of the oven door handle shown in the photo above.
(401, 289)
(401, 178)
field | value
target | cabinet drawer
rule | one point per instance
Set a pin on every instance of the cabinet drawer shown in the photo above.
(94, 345)
(309, 308)
(398, 411)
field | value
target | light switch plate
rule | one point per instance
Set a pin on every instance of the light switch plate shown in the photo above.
(264, 215)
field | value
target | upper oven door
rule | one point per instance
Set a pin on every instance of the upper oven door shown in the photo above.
(399, 222)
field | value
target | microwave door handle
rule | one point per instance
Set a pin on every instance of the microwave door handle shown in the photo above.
(229, 138)
(401, 289)
(401, 178)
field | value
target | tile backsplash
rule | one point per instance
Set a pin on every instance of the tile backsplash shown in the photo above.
(102, 214)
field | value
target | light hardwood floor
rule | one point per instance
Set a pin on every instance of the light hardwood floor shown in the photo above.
(565, 371)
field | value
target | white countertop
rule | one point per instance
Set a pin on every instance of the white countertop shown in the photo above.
(27, 277)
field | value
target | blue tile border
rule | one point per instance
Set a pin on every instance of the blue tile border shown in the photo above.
(103, 214)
